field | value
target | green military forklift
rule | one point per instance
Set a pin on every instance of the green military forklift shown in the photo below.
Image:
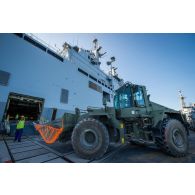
(134, 118)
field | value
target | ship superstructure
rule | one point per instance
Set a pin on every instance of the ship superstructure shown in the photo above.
(40, 81)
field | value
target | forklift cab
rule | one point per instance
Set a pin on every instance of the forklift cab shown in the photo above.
(131, 101)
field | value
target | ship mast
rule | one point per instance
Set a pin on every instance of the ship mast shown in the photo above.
(182, 98)
(96, 49)
(112, 70)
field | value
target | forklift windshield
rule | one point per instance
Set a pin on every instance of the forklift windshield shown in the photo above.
(129, 96)
(123, 98)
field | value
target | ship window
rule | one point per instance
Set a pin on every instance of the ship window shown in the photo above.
(36, 44)
(83, 72)
(93, 78)
(95, 87)
(55, 55)
(99, 82)
(4, 77)
(64, 96)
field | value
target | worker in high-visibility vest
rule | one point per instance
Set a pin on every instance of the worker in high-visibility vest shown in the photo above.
(19, 129)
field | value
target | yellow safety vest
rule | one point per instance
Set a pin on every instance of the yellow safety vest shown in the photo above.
(20, 124)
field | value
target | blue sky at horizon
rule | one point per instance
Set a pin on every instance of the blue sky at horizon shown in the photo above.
(164, 63)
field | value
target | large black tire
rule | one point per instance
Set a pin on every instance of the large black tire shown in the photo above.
(90, 139)
(174, 138)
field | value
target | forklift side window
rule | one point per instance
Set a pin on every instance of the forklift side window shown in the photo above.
(116, 103)
(124, 100)
(138, 97)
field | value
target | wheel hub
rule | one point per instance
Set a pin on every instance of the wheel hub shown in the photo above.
(177, 138)
(89, 138)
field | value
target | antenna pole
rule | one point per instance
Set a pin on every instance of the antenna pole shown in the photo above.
(182, 98)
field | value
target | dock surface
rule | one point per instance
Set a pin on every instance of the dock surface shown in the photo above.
(33, 149)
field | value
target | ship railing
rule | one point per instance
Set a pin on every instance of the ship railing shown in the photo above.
(55, 49)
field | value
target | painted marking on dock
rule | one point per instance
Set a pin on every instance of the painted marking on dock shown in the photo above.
(17, 143)
(29, 154)
(20, 145)
(28, 151)
(24, 149)
(39, 159)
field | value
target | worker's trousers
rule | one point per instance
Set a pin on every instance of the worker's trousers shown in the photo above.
(18, 134)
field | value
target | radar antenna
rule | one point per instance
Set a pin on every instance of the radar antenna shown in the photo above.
(96, 50)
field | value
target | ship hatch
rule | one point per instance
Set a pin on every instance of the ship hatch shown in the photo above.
(30, 107)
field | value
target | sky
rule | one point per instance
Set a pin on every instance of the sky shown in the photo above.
(164, 63)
